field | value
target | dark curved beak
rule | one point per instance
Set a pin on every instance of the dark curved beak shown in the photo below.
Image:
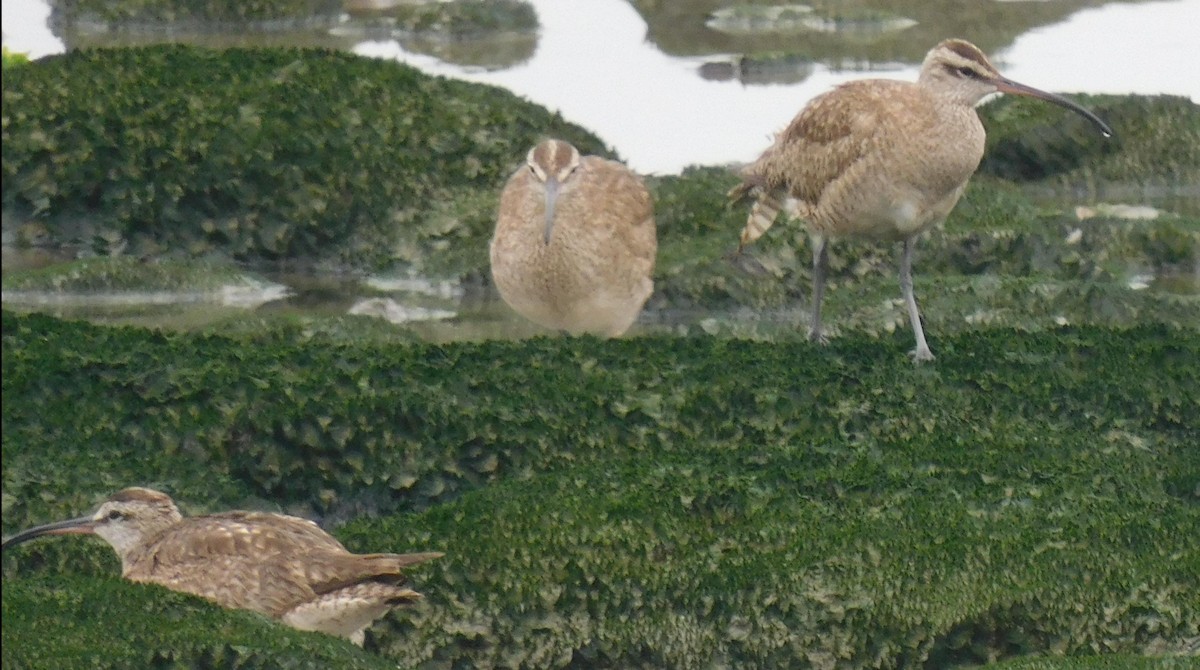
(81, 526)
(551, 198)
(1005, 85)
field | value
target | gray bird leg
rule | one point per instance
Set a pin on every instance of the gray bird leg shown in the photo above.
(820, 268)
(922, 352)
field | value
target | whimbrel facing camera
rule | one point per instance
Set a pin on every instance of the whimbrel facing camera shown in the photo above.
(575, 242)
(282, 566)
(882, 159)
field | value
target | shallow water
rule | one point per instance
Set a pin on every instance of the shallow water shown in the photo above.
(603, 66)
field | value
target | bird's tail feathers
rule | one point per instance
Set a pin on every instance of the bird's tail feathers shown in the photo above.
(740, 192)
(762, 216)
(393, 565)
(405, 560)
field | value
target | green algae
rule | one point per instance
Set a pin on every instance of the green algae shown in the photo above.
(259, 154)
(639, 505)
(175, 631)
(124, 273)
(1156, 141)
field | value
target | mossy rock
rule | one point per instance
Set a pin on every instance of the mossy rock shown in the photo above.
(637, 505)
(998, 254)
(464, 18)
(288, 327)
(1100, 662)
(258, 154)
(124, 273)
(390, 426)
(998, 233)
(206, 13)
(10, 59)
(1155, 142)
(57, 620)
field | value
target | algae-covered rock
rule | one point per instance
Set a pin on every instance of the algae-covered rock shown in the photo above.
(317, 158)
(1177, 661)
(205, 12)
(644, 502)
(10, 59)
(755, 19)
(84, 623)
(462, 18)
(492, 34)
(257, 154)
(1156, 141)
(998, 234)
(124, 273)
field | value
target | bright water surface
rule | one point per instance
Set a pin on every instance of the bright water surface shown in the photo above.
(595, 64)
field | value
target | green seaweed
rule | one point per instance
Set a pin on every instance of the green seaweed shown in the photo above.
(1156, 141)
(169, 12)
(174, 630)
(124, 273)
(640, 505)
(260, 154)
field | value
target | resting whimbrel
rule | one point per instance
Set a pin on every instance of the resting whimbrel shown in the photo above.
(575, 242)
(282, 566)
(883, 159)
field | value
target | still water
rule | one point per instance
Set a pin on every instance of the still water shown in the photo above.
(595, 62)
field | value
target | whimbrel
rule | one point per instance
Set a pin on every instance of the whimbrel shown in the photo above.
(282, 566)
(575, 242)
(882, 159)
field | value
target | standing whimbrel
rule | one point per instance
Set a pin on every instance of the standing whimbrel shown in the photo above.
(282, 566)
(882, 159)
(575, 242)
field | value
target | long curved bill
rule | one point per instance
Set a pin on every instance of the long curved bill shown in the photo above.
(551, 198)
(1005, 85)
(81, 526)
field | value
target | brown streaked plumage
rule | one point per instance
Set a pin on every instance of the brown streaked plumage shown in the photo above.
(575, 242)
(282, 566)
(881, 159)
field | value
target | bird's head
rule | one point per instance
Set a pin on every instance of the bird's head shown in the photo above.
(552, 163)
(125, 520)
(961, 72)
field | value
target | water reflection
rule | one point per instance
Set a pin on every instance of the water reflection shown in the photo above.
(666, 90)
(751, 70)
(758, 20)
(602, 65)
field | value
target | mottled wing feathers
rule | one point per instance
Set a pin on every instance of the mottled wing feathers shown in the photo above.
(249, 533)
(826, 150)
(265, 562)
(824, 141)
(338, 572)
(628, 210)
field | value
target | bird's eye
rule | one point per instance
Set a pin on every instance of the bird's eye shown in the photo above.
(114, 515)
(968, 73)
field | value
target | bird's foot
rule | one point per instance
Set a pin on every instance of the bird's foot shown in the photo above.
(818, 336)
(921, 355)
